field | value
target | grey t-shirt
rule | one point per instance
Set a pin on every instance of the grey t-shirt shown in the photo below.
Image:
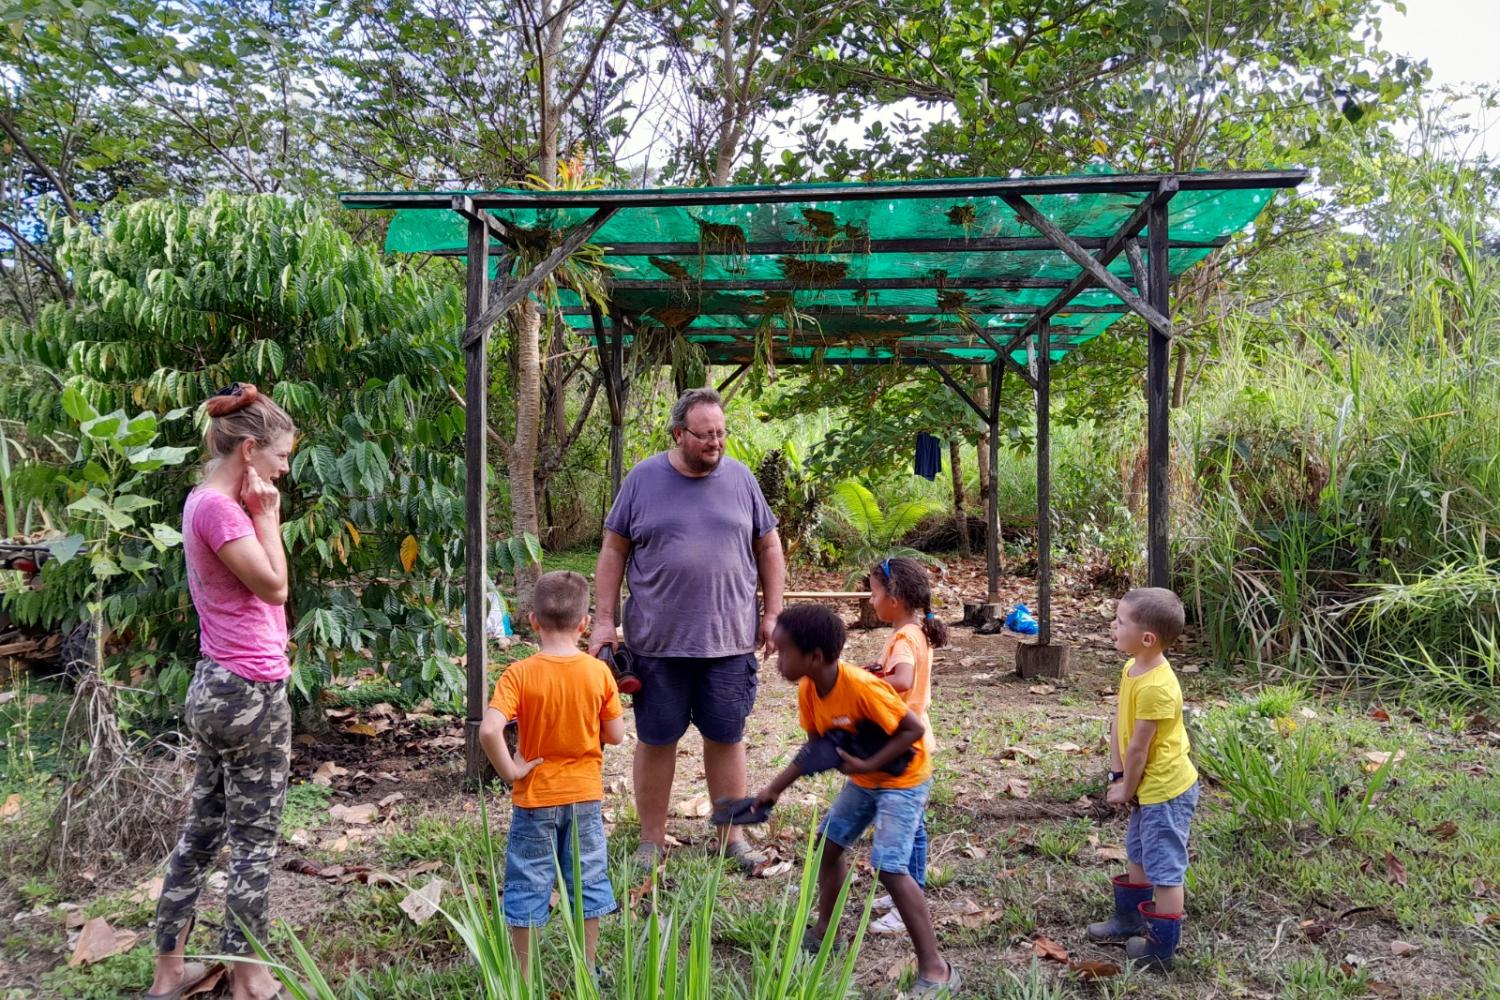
(692, 572)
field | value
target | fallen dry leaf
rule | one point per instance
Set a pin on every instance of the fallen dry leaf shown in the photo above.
(976, 852)
(1403, 948)
(1020, 753)
(36, 699)
(99, 941)
(209, 982)
(1045, 947)
(361, 729)
(968, 913)
(1316, 930)
(421, 904)
(147, 892)
(301, 866)
(75, 918)
(1018, 788)
(696, 807)
(358, 815)
(1375, 759)
(1380, 989)
(1067, 748)
(12, 807)
(1041, 689)
(1395, 869)
(1445, 830)
(1488, 919)
(424, 868)
(1094, 969)
(326, 772)
(898, 969)
(1379, 714)
(773, 870)
(1111, 854)
(392, 799)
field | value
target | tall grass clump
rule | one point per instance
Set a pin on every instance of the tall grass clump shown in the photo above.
(666, 954)
(1348, 518)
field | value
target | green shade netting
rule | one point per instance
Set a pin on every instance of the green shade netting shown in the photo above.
(830, 243)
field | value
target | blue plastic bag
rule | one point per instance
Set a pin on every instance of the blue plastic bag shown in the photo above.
(1021, 620)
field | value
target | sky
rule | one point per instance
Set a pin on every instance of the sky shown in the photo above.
(1457, 38)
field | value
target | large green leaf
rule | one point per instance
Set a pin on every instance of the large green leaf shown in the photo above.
(860, 508)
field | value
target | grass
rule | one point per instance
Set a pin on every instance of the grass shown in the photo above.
(306, 804)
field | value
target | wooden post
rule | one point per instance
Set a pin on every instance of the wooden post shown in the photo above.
(476, 501)
(992, 507)
(1044, 486)
(621, 392)
(1158, 375)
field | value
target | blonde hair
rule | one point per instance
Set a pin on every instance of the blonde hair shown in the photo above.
(242, 411)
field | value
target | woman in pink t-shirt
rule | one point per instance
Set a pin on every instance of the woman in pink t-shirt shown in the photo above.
(237, 708)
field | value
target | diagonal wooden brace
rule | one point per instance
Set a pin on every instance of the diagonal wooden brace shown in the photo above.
(962, 394)
(1086, 260)
(521, 287)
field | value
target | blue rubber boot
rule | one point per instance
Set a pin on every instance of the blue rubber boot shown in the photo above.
(1155, 950)
(1127, 921)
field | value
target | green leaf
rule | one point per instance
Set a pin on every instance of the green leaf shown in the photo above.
(106, 427)
(104, 566)
(859, 507)
(140, 430)
(165, 536)
(64, 549)
(129, 502)
(135, 564)
(75, 406)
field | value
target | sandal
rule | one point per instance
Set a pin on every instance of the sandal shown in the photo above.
(743, 855)
(193, 973)
(930, 988)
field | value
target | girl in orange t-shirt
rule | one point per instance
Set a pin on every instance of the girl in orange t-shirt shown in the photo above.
(901, 592)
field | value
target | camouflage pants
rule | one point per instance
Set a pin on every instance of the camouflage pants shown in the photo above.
(243, 731)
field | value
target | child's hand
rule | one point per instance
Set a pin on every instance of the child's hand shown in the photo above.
(520, 768)
(1116, 795)
(853, 764)
(765, 798)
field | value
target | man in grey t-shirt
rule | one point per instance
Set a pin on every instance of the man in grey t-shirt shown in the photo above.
(693, 535)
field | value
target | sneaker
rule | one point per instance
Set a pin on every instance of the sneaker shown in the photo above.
(891, 923)
(883, 903)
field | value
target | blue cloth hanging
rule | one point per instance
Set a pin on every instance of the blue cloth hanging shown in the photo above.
(929, 460)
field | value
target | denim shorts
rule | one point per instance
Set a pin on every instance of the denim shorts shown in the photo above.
(1158, 837)
(541, 841)
(897, 815)
(714, 694)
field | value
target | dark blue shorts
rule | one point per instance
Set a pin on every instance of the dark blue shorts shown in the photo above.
(714, 694)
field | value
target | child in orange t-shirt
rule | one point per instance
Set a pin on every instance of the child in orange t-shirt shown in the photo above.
(566, 706)
(833, 695)
(901, 592)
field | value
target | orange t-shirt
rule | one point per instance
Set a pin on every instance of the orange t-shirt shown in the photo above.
(908, 644)
(559, 703)
(859, 694)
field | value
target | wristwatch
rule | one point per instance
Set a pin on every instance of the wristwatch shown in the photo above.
(1115, 776)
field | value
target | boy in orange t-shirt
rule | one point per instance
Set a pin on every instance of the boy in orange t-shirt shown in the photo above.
(833, 695)
(566, 706)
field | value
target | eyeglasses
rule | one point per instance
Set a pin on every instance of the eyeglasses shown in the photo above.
(707, 438)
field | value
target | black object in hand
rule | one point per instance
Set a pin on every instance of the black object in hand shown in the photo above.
(822, 754)
(622, 664)
(739, 812)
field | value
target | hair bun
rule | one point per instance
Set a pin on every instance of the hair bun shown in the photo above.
(231, 399)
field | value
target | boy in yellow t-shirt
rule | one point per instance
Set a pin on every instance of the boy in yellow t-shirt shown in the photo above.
(832, 695)
(566, 705)
(1151, 775)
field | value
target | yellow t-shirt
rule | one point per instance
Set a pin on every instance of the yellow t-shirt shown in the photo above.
(1156, 695)
(908, 644)
(859, 694)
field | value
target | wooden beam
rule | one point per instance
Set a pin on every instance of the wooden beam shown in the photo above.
(689, 288)
(992, 505)
(517, 290)
(1086, 260)
(1044, 487)
(961, 393)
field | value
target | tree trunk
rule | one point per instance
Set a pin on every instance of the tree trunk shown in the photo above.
(521, 460)
(1179, 379)
(960, 516)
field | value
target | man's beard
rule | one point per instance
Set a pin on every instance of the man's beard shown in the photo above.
(700, 464)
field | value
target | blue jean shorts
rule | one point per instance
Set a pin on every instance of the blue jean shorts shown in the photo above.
(1158, 837)
(715, 694)
(541, 841)
(897, 815)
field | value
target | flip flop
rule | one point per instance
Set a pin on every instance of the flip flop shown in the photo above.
(742, 854)
(929, 988)
(193, 973)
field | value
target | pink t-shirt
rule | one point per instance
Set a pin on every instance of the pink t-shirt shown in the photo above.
(236, 629)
